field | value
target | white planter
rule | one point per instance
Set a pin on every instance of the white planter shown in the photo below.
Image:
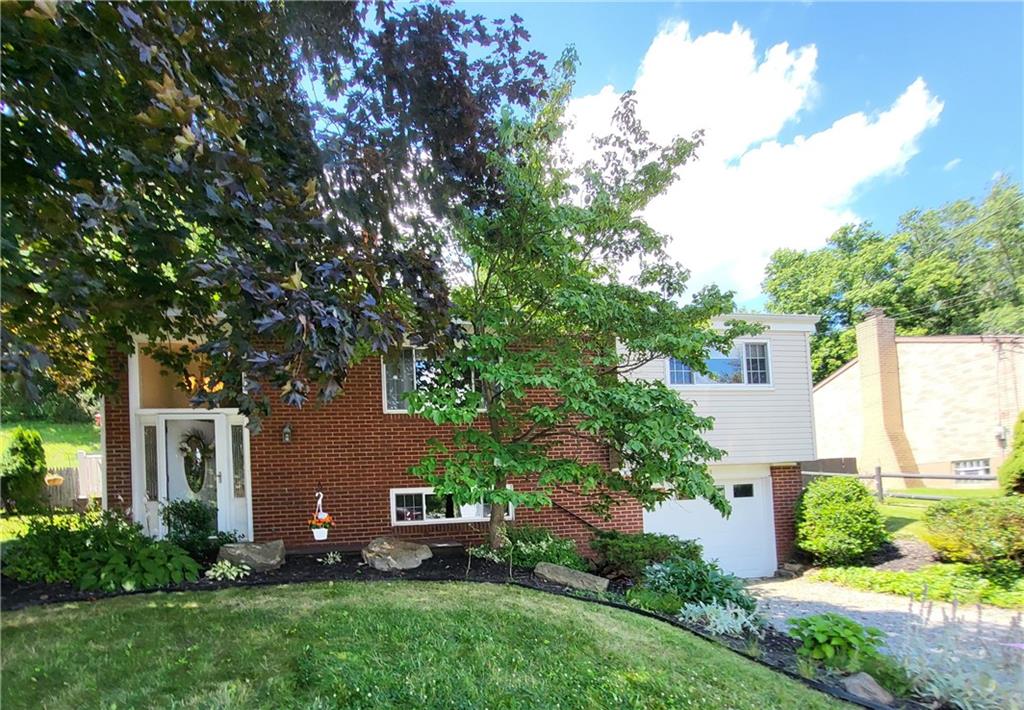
(319, 533)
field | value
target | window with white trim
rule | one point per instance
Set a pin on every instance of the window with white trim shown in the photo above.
(971, 468)
(408, 370)
(746, 364)
(421, 506)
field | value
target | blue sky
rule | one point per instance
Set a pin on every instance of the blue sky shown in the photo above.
(946, 139)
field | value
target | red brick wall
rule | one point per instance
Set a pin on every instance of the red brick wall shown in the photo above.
(118, 459)
(786, 486)
(356, 453)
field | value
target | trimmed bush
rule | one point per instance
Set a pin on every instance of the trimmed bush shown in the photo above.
(23, 471)
(629, 554)
(982, 531)
(1011, 473)
(838, 522)
(192, 525)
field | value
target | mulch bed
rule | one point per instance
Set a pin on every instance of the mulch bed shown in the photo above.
(775, 650)
(902, 554)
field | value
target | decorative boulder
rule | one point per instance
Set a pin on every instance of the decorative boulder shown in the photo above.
(259, 556)
(391, 553)
(864, 686)
(569, 577)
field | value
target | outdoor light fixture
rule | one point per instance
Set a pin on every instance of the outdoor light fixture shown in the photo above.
(286, 433)
(1001, 436)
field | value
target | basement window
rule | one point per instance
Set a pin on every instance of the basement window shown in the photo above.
(971, 468)
(421, 506)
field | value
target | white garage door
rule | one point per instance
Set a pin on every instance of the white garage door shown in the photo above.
(743, 544)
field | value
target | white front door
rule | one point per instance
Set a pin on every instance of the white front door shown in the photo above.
(194, 455)
(744, 543)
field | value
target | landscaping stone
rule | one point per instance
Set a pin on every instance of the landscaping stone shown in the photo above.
(391, 553)
(259, 556)
(570, 577)
(795, 568)
(864, 686)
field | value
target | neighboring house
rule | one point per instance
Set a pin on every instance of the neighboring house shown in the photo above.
(933, 404)
(358, 449)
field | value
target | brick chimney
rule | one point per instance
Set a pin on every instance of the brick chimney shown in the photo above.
(885, 442)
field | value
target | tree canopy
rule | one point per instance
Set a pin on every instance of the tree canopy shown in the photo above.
(552, 331)
(261, 179)
(956, 269)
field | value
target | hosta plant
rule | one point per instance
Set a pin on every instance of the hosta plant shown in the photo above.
(226, 570)
(835, 640)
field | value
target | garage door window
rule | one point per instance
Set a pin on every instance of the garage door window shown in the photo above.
(743, 490)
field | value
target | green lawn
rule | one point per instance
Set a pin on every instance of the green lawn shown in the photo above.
(62, 442)
(903, 516)
(372, 645)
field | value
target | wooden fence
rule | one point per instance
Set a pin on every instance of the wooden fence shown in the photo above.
(878, 477)
(78, 484)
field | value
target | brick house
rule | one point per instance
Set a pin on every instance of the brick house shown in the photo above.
(358, 450)
(941, 404)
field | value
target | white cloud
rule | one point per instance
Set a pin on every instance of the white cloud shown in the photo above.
(951, 164)
(750, 192)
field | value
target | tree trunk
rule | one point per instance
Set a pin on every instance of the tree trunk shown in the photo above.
(496, 526)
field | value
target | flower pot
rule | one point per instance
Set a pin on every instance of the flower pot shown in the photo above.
(319, 533)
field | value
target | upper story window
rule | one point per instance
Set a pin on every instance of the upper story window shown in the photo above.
(411, 369)
(406, 370)
(745, 364)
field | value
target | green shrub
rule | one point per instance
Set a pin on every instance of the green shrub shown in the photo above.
(95, 550)
(23, 471)
(835, 640)
(629, 554)
(526, 545)
(1011, 473)
(838, 522)
(50, 404)
(978, 530)
(696, 581)
(650, 600)
(192, 525)
(145, 564)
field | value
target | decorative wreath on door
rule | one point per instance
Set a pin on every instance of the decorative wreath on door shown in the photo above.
(197, 450)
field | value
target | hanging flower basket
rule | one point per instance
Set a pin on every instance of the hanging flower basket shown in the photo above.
(320, 523)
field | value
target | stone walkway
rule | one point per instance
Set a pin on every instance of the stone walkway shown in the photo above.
(996, 629)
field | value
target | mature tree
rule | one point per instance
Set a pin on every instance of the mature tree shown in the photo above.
(259, 177)
(956, 269)
(552, 332)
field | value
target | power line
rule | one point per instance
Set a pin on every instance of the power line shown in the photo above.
(945, 302)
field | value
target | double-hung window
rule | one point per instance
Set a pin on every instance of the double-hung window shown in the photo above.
(746, 364)
(421, 506)
(405, 371)
(411, 369)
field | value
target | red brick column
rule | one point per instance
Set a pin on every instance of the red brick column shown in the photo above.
(786, 486)
(117, 457)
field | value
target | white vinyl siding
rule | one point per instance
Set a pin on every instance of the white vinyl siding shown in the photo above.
(760, 422)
